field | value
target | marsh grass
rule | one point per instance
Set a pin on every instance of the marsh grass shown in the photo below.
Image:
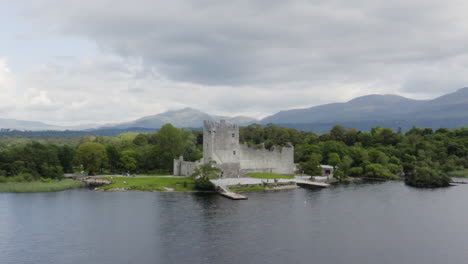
(40, 186)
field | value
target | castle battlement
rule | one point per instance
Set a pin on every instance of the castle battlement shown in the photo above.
(222, 124)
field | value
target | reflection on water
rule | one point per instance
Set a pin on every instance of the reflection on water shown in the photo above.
(355, 223)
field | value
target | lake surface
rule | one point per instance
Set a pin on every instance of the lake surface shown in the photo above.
(357, 223)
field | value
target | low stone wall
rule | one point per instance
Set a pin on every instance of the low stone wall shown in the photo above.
(184, 168)
(279, 160)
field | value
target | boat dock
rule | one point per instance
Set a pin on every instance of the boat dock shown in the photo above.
(311, 184)
(233, 196)
(224, 191)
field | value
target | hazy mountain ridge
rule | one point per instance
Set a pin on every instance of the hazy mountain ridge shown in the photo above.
(7, 123)
(187, 117)
(184, 118)
(365, 112)
(367, 107)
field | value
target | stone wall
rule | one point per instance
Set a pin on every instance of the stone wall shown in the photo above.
(279, 160)
(229, 170)
(184, 168)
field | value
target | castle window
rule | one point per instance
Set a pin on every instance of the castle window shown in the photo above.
(234, 152)
(233, 135)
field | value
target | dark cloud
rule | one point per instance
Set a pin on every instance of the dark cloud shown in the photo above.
(251, 57)
(261, 42)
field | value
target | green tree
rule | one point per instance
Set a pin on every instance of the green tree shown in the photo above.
(345, 164)
(378, 171)
(206, 171)
(129, 160)
(338, 133)
(202, 175)
(170, 145)
(141, 140)
(92, 156)
(65, 155)
(334, 159)
(312, 166)
(191, 151)
(113, 157)
(355, 172)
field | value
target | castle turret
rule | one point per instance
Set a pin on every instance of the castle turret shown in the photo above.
(220, 142)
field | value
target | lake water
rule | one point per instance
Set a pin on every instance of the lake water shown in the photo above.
(357, 223)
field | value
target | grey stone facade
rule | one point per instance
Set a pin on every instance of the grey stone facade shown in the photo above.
(221, 144)
(185, 168)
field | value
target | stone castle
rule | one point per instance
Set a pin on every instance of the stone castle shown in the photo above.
(221, 144)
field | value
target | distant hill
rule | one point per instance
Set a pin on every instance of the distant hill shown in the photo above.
(25, 125)
(363, 113)
(187, 117)
(368, 111)
(14, 124)
(183, 118)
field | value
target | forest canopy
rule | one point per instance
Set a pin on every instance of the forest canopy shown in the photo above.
(381, 153)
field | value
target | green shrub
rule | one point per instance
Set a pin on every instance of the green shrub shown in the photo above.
(17, 178)
(3, 179)
(355, 172)
(395, 169)
(204, 184)
(339, 174)
(46, 180)
(425, 177)
(378, 171)
(26, 176)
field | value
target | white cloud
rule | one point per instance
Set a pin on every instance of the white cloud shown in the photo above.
(237, 57)
(8, 99)
(109, 89)
(262, 42)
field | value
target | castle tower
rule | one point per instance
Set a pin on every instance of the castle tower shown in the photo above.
(221, 142)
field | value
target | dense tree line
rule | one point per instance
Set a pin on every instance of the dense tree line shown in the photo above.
(380, 153)
(138, 152)
(34, 161)
(129, 152)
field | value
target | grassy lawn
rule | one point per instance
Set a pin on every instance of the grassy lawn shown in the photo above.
(459, 173)
(150, 183)
(248, 189)
(37, 186)
(269, 176)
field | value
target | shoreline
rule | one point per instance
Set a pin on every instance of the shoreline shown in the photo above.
(166, 184)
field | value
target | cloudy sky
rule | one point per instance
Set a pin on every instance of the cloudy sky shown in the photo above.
(94, 61)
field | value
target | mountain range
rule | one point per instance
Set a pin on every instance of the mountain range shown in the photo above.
(187, 117)
(365, 112)
(184, 118)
